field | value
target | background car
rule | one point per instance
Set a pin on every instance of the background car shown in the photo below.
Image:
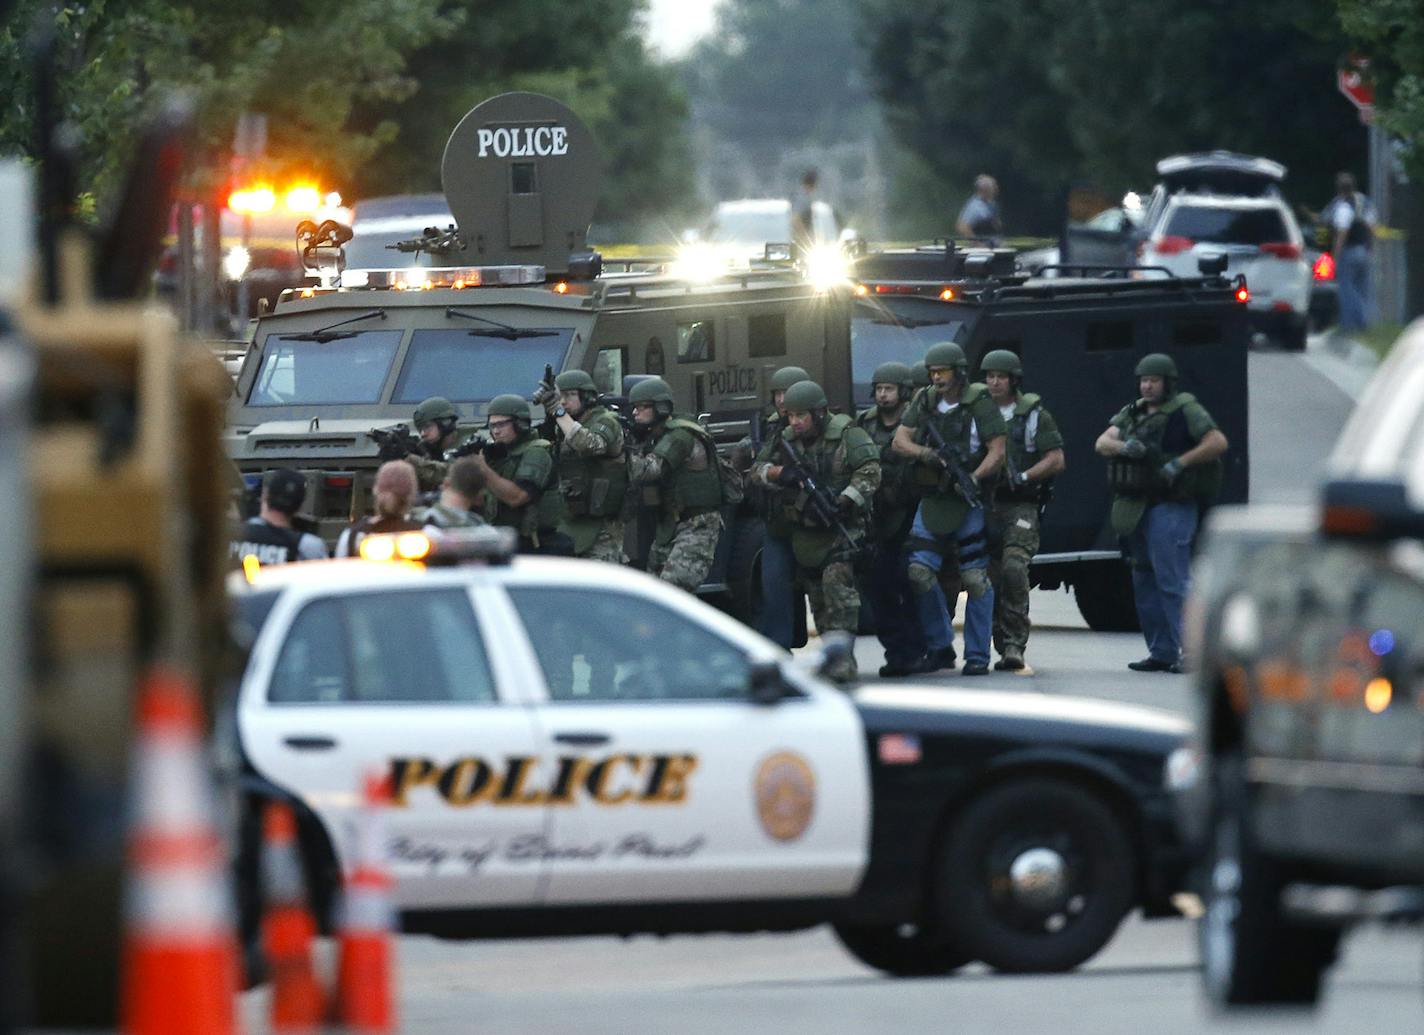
(378, 223)
(578, 748)
(742, 229)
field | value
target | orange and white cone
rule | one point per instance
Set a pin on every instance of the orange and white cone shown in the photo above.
(365, 984)
(297, 1004)
(180, 960)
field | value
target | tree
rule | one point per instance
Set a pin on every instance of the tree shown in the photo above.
(1391, 34)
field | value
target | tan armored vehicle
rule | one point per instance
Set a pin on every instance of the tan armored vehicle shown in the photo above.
(514, 288)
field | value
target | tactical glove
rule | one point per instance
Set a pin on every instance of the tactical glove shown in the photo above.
(1134, 449)
(393, 450)
(1171, 471)
(544, 394)
(788, 477)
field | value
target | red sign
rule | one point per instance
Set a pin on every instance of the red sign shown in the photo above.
(1355, 83)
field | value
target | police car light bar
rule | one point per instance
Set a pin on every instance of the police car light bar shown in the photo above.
(420, 278)
(487, 544)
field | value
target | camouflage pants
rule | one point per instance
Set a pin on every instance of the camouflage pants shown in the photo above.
(835, 604)
(1013, 540)
(608, 544)
(686, 558)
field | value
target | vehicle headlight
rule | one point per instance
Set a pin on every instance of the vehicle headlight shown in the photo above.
(699, 262)
(235, 262)
(826, 267)
(1182, 769)
(1241, 625)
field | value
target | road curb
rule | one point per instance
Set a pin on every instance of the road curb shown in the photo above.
(1342, 361)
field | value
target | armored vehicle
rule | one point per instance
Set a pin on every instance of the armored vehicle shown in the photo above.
(1080, 331)
(1305, 635)
(514, 288)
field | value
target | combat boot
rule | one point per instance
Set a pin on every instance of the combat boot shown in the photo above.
(939, 659)
(896, 667)
(1011, 659)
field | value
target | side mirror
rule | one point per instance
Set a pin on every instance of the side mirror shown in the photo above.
(766, 684)
(1369, 510)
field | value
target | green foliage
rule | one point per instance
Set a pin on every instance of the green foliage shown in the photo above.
(1391, 34)
(1048, 93)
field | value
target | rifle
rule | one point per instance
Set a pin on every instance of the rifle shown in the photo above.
(550, 427)
(953, 459)
(493, 451)
(399, 436)
(821, 503)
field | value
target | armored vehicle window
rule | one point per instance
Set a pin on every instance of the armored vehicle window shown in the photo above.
(766, 335)
(696, 342)
(351, 368)
(879, 336)
(608, 370)
(522, 179)
(617, 647)
(1227, 225)
(1109, 335)
(466, 367)
(653, 357)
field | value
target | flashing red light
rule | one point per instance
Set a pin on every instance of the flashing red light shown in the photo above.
(947, 295)
(1173, 245)
(1243, 294)
(339, 481)
(894, 289)
(1324, 268)
(1281, 307)
(1281, 249)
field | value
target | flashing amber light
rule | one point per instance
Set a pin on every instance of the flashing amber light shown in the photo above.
(458, 284)
(1324, 267)
(861, 291)
(412, 546)
(561, 288)
(1243, 294)
(308, 293)
(302, 198)
(947, 295)
(407, 546)
(1378, 693)
(251, 200)
(250, 567)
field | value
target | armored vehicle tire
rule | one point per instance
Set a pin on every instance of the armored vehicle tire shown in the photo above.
(1103, 591)
(901, 950)
(1251, 954)
(1036, 876)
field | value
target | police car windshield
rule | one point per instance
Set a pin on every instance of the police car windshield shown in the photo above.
(345, 370)
(1227, 225)
(879, 336)
(465, 367)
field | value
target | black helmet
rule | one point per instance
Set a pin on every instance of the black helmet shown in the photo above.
(946, 354)
(806, 397)
(284, 489)
(656, 391)
(512, 406)
(1005, 362)
(786, 377)
(580, 381)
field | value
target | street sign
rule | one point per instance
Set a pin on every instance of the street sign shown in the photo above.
(1353, 80)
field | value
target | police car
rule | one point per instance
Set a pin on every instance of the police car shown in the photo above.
(576, 748)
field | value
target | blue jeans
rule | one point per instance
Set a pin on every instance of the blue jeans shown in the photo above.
(778, 592)
(1352, 280)
(1161, 549)
(934, 612)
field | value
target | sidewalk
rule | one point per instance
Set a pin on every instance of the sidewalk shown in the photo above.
(1341, 360)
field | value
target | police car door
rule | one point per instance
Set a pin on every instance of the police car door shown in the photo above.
(667, 782)
(398, 682)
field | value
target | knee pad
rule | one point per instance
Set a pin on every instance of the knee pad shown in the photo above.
(975, 581)
(922, 578)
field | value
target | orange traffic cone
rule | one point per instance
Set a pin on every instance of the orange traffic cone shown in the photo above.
(366, 973)
(180, 949)
(288, 927)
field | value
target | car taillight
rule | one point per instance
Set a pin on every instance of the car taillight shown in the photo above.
(1172, 245)
(1324, 268)
(1281, 249)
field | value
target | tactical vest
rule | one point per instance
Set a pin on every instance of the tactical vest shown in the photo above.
(1166, 436)
(897, 472)
(828, 464)
(594, 486)
(268, 543)
(529, 519)
(1018, 458)
(954, 427)
(695, 488)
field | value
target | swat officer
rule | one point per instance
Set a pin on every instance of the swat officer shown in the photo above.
(839, 461)
(464, 485)
(886, 584)
(270, 536)
(1164, 462)
(591, 464)
(435, 421)
(675, 471)
(1033, 457)
(964, 418)
(778, 593)
(521, 484)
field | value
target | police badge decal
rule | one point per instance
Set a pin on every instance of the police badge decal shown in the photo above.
(785, 795)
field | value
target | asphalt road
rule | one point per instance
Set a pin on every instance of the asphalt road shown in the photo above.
(1145, 980)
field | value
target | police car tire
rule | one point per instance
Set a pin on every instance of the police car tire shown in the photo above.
(999, 827)
(901, 950)
(1250, 953)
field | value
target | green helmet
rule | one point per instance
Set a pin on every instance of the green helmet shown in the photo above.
(571, 380)
(435, 408)
(920, 373)
(512, 406)
(656, 391)
(806, 397)
(1002, 360)
(946, 354)
(893, 373)
(1158, 364)
(786, 377)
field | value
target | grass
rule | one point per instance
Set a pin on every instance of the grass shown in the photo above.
(1379, 338)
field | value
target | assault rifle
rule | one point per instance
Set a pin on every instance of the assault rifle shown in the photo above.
(493, 451)
(399, 437)
(954, 462)
(817, 497)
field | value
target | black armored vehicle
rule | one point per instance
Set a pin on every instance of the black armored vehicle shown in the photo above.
(512, 287)
(1080, 331)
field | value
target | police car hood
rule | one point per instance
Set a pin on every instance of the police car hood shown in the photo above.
(1016, 715)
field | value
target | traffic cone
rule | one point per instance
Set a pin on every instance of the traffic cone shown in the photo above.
(365, 986)
(297, 1003)
(180, 960)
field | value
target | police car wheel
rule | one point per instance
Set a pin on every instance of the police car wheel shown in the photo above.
(1250, 953)
(1036, 876)
(904, 950)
